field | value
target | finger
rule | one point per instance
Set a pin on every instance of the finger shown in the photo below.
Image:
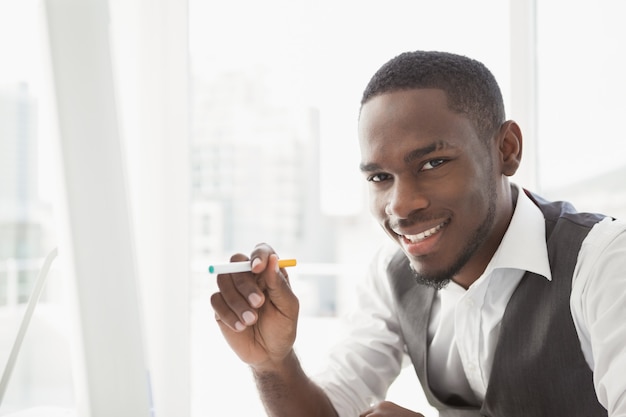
(249, 288)
(234, 300)
(238, 257)
(224, 315)
(260, 255)
(246, 284)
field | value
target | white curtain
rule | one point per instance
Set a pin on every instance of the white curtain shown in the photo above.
(151, 62)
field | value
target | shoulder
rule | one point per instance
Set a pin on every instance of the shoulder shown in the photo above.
(603, 252)
(607, 232)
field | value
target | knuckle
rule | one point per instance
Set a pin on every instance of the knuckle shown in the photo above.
(223, 281)
(214, 297)
(242, 281)
(217, 301)
(262, 249)
(238, 257)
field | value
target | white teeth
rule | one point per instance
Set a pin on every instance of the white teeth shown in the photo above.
(424, 234)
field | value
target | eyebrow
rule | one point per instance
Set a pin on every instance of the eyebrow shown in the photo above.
(422, 152)
(369, 167)
(411, 156)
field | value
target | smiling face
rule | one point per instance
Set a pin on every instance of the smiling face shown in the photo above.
(435, 186)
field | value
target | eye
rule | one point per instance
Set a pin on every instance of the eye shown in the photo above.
(378, 177)
(432, 164)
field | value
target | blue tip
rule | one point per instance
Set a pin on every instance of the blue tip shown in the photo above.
(211, 269)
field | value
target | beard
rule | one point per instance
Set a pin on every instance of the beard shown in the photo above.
(440, 279)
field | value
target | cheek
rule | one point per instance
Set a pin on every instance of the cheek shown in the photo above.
(377, 205)
(472, 193)
(476, 202)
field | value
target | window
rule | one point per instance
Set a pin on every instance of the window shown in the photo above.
(239, 125)
(276, 94)
(580, 103)
(27, 217)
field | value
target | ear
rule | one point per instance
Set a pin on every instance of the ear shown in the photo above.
(510, 147)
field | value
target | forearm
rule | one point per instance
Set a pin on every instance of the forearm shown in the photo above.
(286, 391)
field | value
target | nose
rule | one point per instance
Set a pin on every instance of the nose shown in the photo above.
(405, 198)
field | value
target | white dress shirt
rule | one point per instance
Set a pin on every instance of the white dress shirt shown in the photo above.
(465, 324)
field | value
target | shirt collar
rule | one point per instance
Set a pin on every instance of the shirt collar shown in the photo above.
(524, 243)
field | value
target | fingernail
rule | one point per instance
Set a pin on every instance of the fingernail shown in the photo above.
(248, 317)
(255, 262)
(239, 326)
(255, 299)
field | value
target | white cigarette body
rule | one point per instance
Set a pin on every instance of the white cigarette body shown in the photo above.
(244, 266)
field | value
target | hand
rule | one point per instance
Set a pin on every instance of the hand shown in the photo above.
(257, 312)
(388, 409)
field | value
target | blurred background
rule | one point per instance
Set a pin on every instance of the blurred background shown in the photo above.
(238, 124)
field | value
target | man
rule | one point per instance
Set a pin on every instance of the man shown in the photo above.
(507, 304)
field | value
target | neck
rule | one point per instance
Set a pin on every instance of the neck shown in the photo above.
(504, 212)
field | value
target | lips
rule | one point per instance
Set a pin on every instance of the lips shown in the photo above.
(423, 242)
(426, 233)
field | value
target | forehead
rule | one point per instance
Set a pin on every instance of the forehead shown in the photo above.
(396, 108)
(416, 115)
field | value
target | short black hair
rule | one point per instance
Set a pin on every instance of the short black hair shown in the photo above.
(469, 86)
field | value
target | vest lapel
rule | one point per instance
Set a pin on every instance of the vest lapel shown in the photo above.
(414, 304)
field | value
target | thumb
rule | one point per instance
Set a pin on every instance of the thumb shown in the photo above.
(279, 289)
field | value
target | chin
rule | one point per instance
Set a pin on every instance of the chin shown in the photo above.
(433, 279)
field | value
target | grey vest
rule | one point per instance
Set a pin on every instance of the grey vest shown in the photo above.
(538, 366)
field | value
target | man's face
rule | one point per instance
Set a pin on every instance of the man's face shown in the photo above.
(431, 181)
